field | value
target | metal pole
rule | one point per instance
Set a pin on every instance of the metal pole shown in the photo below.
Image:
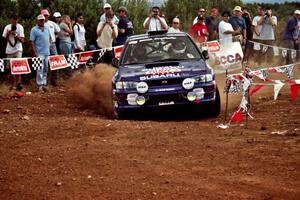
(226, 104)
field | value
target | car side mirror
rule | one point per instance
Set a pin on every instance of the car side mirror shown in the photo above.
(115, 62)
(205, 54)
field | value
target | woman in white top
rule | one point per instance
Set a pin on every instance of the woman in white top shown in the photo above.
(79, 34)
(225, 29)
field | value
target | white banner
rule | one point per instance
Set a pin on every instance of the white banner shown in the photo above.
(229, 56)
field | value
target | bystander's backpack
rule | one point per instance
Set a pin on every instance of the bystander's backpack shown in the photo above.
(73, 35)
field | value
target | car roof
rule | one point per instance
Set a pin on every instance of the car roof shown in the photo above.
(156, 34)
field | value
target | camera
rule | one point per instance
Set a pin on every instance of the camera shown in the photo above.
(13, 27)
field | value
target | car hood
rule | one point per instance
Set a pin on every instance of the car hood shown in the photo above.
(162, 70)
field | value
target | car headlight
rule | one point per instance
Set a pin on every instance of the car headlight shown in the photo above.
(203, 78)
(126, 84)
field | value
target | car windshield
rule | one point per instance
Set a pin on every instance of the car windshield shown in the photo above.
(160, 49)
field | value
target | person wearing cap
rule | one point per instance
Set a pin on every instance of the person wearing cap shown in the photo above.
(212, 24)
(154, 22)
(54, 30)
(291, 35)
(106, 32)
(57, 17)
(225, 29)
(201, 13)
(199, 31)
(40, 38)
(125, 26)
(175, 26)
(107, 8)
(14, 36)
(237, 21)
(249, 46)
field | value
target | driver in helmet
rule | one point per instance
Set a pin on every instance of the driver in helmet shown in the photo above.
(178, 49)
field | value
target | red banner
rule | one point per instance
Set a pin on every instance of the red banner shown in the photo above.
(85, 57)
(118, 51)
(19, 66)
(213, 46)
(58, 62)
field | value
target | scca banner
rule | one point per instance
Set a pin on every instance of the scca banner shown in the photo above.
(118, 51)
(229, 56)
(19, 66)
(58, 62)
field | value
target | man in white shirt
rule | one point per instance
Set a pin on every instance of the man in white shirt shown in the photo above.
(264, 24)
(107, 31)
(54, 30)
(14, 36)
(155, 22)
(226, 30)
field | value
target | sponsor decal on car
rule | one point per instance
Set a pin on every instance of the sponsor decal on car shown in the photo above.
(162, 72)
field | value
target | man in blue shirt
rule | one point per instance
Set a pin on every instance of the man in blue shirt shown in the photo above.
(291, 34)
(40, 41)
(125, 27)
(238, 22)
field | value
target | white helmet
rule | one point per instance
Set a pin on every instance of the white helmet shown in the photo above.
(178, 47)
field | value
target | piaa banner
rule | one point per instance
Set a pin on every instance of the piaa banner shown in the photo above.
(58, 62)
(19, 66)
(85, 57)
(229, 56)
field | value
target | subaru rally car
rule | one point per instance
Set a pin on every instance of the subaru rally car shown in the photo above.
(160, 69)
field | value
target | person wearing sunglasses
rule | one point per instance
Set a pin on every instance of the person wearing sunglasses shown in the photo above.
(175, 26)
(201, 13)
(154, 22)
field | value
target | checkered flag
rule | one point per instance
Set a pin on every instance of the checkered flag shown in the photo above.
(73, 61)
(289, 71)
(232, 86)
(1, 65)
(264, 73)
(101, 53)
(37, 63)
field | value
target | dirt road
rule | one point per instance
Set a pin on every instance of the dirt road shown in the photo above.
(52, 148)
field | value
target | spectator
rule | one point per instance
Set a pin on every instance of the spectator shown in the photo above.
(41, 41)
(65, 33)
(226, 30)
(14, 36)
(249, 46)
(79, 34)
(290, 35)
(264, 25)
(237, 21)
(212, 24)
(106, 32)
(201, 13)
(57, 17)
(175, 26)
(199, 31)
(54, 30)
(107, 8)
(155, 22)
(125, 27)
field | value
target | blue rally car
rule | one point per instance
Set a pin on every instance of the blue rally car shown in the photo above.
(159, 70)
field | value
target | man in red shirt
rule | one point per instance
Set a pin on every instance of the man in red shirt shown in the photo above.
(199, 31)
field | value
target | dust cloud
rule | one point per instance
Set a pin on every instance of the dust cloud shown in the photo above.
(92, 89)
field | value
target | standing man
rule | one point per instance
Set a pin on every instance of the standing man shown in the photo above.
(41, 41)
(212, 24)
(54, 30)
(237, 21)
(107, 31)
(290, 35)
(201, 13)
(249, 46)
(175, 26)
(14, 36)
(125, 26)
(264, 25)
(155, 22)
(199, 31)
(107, 9)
